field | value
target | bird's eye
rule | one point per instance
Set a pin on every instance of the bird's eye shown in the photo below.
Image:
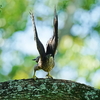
(50, 54)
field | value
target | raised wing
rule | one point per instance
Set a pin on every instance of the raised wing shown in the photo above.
(39, 45)
(53, 42)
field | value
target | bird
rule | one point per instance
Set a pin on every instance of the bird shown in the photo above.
(45, 60)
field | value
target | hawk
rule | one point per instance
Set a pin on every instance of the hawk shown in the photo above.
(45, 60)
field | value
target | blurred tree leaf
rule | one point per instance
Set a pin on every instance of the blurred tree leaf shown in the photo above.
(87, 4)
(97, 27)
(13, 17)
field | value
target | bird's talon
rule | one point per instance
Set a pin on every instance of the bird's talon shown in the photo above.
(49, 76)
(34, 77)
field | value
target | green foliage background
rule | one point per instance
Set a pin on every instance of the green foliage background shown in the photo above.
(79, 38)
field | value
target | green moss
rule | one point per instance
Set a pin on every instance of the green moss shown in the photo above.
(19, 88)
(92, 94)
(73, 85)
(42, 86)
(54, 86)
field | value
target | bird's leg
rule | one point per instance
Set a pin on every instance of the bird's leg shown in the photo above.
(48, 75)
(34, 76)
(35, 69)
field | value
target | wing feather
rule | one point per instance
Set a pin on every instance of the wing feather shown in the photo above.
(39, 45)
(53, 42)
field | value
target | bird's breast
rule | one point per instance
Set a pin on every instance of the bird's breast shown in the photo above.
(48, 64)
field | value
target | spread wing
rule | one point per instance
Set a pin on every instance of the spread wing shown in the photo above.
(39, 45)
(53, 42)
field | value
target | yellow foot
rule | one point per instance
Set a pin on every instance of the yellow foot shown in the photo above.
(34, 77)
(49, 76)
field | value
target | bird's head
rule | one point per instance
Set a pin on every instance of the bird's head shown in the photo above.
(49, 56)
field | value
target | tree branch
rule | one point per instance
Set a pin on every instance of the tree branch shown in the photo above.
(47, 89)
